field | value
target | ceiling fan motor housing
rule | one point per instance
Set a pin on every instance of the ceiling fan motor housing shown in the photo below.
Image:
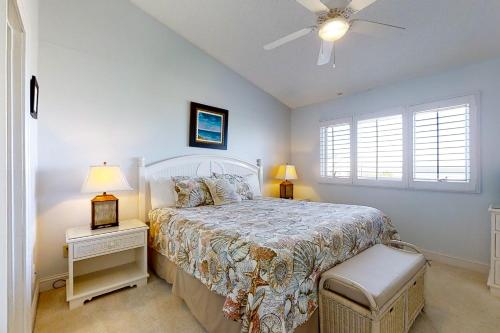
(332, 25)
(333, 13)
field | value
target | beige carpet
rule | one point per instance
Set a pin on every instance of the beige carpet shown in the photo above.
(456, 301)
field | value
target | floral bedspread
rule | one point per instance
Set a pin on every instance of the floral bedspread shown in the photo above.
(266, 255)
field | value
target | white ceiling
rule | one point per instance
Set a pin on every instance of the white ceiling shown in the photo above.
(440, 34)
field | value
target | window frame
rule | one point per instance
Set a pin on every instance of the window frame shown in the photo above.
(334, 122)
(403, 183)
(474, 185)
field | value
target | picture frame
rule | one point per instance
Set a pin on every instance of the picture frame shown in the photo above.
(34, 92)
(104, 212)
(208, 127)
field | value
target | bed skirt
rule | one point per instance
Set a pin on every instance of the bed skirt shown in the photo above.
(205, 305)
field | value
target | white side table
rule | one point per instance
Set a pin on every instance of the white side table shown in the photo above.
(494, 277)
(103, 260)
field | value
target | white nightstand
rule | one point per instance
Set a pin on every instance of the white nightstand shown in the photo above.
(494, 276)
(103, 260)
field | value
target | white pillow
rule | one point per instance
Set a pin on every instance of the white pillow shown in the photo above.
(162, 193)
(253, 182)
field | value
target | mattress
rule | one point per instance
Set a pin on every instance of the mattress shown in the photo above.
(265, 256)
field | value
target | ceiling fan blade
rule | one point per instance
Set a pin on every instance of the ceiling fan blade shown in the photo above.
(325, 53)
(288, 38)
(336, 3)
(315, 6)
(357, 5)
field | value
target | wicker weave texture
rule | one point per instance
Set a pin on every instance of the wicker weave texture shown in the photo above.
(393, 321)
(340, 315)
(338, 318)
(415, 298)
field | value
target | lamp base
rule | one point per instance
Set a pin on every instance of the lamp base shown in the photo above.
(286, 190)
(104, 211)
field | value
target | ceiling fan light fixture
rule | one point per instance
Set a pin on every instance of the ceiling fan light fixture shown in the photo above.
(333, 29)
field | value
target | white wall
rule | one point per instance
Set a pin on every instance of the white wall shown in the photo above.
(448, 223)
(115, 84)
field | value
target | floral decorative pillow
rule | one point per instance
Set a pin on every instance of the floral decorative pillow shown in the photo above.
(242, 187)
(191, 192)
(222, 191)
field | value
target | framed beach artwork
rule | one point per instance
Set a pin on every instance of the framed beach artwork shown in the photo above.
(208, 127)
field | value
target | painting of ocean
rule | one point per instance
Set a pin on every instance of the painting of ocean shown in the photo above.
(210, 127)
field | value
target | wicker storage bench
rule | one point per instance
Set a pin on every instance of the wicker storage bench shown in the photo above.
(380, 290)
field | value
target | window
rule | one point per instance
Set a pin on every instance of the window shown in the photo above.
(335, 150)
(380, 148)
(431, 146)
(444, 145)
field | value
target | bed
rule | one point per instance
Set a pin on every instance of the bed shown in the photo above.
(254, 265)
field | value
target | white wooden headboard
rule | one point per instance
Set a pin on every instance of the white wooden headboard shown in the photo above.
(189, 165)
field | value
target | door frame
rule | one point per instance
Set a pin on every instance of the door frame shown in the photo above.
(18, 279)
(3, 167)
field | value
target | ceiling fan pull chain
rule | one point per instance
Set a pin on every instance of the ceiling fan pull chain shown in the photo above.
(334, 57)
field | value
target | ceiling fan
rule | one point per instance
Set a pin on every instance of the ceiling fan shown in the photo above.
(331, 23)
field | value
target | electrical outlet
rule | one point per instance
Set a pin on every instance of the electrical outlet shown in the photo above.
(65, 250)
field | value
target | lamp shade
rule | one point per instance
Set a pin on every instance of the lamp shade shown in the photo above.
(286, 172)
(105, 178)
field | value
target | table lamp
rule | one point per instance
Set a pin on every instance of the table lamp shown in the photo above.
(286, 172)
(104, 178)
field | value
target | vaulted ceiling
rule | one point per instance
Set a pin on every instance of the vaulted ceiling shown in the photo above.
(440, 34)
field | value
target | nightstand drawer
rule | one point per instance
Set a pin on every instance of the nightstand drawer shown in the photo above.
(108, 244)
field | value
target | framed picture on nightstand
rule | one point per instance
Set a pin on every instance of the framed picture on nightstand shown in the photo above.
(104, 211)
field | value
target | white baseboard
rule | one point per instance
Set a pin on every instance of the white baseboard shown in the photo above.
(46, 283)
(458, 262)
(34, 303)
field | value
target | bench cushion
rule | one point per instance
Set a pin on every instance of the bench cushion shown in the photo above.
(381, 270)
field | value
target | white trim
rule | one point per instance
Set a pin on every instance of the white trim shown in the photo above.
(380, 114)
(474, 186)
(190, 165)
(45, 284)
(19, 266)
(34, 303)
(3, 168)
(336, 121)
(472, 265)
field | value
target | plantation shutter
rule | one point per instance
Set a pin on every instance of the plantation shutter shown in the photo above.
(380, 148)
(335, 150)
(441, 144)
